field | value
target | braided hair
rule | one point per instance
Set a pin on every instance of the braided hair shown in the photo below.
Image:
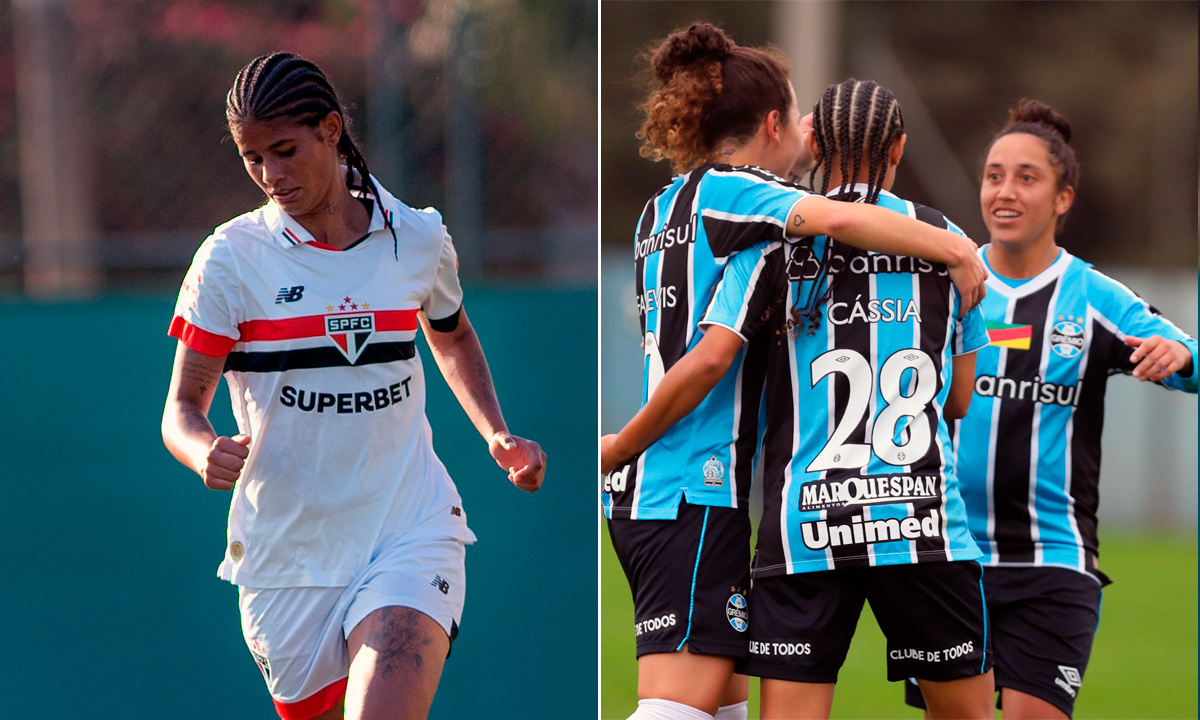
(1036, 118)
(853, 121)
(285, 85)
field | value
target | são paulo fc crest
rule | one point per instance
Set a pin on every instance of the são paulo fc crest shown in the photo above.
(1066, 338)
(737, 612)
(714, 472)
(350, 331)
(260, 657)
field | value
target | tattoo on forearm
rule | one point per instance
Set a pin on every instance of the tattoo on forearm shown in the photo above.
(400, 640)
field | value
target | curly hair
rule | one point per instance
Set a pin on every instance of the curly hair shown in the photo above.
(707, 89)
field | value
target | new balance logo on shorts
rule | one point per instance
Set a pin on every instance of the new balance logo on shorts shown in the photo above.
(289, 294)
(440, 584)
(1070, 679)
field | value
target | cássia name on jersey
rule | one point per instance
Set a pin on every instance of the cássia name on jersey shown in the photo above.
(857, 463)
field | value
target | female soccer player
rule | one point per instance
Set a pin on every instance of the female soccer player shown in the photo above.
(1029, 449)
(726, 117)
(346, 535)
(861, 502)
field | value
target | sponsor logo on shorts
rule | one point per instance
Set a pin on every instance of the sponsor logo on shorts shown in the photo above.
(737, 613)
(940, 655)
(456, 511)
(1070, 679)
(653, 624)
(780, 649)
(822, 494)
(714, 472)
(820, 534)
(441, 584)
(260, 657)
(1066, 337)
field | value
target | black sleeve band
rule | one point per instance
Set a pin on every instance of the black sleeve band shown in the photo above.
(446, 324)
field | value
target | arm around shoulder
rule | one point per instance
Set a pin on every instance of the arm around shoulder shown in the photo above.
(877, 229)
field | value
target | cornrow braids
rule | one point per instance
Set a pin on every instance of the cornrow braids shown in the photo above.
(852, 120)
(283, 85)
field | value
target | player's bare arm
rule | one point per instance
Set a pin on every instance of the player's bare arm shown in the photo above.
(877, 229)
(962, 387)
(682, 388)
(186, 430)
(460, 358)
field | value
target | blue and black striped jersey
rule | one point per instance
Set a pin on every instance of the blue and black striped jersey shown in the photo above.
(1029, 448)
(858, 467)
(686, 235)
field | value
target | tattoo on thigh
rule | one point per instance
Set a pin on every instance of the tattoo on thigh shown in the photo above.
(400, 639)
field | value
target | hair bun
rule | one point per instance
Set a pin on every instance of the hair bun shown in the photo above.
(1035, 111)
(700, 43)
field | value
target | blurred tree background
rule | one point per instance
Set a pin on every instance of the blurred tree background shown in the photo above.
(482, 108)
(1124, 73)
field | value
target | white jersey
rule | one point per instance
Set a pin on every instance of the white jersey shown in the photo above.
(325, 379)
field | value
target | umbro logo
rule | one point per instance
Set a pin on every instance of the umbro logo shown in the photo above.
(289, 294)
(1070, 679)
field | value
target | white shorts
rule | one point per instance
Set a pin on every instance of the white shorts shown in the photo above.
(298, 635)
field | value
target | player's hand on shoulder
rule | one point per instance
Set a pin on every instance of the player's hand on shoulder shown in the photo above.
(969, 274)
(523, 459)
(224, 462)
(1156, 358)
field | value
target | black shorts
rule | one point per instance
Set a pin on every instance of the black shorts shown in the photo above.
(690, 579)
(932, 615)
(1043, 622)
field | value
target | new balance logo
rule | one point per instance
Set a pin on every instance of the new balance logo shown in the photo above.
(289, 294)
(440, 584)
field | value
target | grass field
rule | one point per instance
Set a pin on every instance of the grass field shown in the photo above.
(1143, 663)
